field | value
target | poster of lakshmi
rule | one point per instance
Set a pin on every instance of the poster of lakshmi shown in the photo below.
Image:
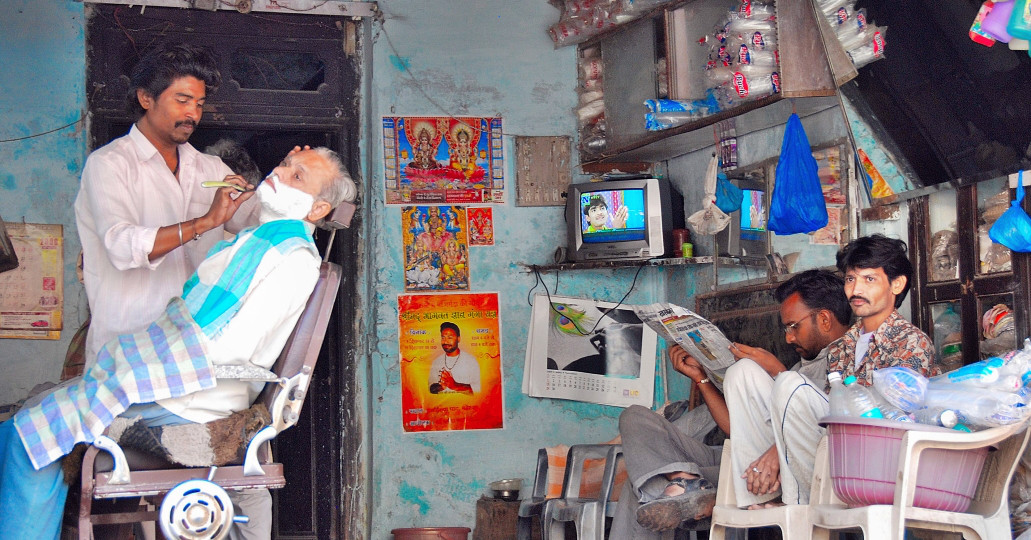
(450, 347)
(443, 160)
(436, 248)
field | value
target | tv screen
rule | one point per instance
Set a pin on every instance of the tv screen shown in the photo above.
(616, 215)
(753, 214)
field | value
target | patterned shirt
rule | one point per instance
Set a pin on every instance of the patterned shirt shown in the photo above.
(896, 342)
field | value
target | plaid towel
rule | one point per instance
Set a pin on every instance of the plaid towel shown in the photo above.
(167, 359)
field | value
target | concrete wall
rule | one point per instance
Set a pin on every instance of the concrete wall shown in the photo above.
(468, 57)
(42, 51)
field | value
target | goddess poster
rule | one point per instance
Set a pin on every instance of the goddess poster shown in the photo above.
(481, 226)
(450, 346)
(442, 159)
(436, 248)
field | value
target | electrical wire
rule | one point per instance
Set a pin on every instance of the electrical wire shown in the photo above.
(34, 135)
(539, 280)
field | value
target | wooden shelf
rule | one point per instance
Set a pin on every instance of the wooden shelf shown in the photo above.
(751, 117)
(807, 48)
(670, 261)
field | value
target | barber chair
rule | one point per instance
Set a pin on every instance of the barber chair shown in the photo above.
(193, 502)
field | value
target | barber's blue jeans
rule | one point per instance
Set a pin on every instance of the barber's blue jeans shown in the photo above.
(31, 501)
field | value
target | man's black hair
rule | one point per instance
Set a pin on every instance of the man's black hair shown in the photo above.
(879, 251)
(818, 289)
(596, 200)
(166, 63)
(448, 325)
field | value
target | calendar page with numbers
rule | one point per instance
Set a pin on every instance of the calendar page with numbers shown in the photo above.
(32, 295)
(587, 350)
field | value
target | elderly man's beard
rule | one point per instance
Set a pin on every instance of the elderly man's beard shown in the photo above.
(283, 202)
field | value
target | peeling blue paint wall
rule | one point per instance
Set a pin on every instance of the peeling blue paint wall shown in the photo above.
(475, 58)
(42, 51)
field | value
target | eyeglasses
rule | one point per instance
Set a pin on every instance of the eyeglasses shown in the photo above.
(793, 327)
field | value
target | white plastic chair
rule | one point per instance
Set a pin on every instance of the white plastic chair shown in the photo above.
(792, 519)
(988, 515)
(587, 514)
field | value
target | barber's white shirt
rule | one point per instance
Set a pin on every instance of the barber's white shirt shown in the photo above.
(256, 333)
(127, 194)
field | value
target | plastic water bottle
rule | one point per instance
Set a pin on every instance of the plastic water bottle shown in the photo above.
(860, 401)
(838, 397)
(892, 412)
(937, 416)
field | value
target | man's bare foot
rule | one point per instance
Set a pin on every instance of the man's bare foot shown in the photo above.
(673, 489)
(771, 504)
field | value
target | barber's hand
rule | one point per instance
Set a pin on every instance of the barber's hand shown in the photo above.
(764, 358)
(298, 149)
(685, 364)
(226, 202)
(767, 480)
(619, 219)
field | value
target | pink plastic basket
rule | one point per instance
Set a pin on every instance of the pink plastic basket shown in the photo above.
(863, 457)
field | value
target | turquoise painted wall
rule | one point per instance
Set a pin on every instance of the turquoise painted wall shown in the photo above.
(468, 57)
(42, 51)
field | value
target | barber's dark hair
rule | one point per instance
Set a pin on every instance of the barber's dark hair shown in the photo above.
(450, 326)
(818, 289)
(596, 200)
(879, 251)
(166, 63)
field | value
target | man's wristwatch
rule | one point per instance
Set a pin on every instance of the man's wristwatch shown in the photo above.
(703, 381)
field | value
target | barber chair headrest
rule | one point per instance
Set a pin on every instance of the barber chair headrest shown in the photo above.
(341, 216)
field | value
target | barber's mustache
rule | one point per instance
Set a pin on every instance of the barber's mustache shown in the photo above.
(857, 297)
(186, 122)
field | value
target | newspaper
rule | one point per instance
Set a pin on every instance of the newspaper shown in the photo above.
(699, 337)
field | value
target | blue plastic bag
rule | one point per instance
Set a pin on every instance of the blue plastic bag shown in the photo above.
(1013, 228)
(728, 196)
(797, 205)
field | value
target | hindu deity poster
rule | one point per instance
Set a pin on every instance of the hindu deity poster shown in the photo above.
(450, 347)
(481, 226)
(442, 159)
(436, 248)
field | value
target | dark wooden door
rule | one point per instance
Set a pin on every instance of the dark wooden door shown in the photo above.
(976, 282)
(287, 80)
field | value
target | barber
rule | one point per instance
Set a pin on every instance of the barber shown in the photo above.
(145, 221)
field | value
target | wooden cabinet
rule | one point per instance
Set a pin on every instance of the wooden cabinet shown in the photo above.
(962, 275)
(630, 53)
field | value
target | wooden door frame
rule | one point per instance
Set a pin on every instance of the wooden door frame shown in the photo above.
(332, 112)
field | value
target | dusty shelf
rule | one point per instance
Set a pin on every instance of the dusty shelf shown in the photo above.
(670, 261)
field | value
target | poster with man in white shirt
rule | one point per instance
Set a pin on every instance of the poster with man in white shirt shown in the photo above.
(453, 370)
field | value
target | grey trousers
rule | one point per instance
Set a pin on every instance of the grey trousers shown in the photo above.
(765, 411)
(652, 447)
(256, 505)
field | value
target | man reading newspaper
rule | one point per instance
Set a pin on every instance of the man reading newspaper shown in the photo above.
(672, 471)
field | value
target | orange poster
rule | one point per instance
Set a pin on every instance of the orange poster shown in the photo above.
(450, 347)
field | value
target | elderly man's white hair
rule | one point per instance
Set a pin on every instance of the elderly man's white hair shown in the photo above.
(342, 187)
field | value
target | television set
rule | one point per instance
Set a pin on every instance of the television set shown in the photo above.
(622, 219)
(747, 235)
